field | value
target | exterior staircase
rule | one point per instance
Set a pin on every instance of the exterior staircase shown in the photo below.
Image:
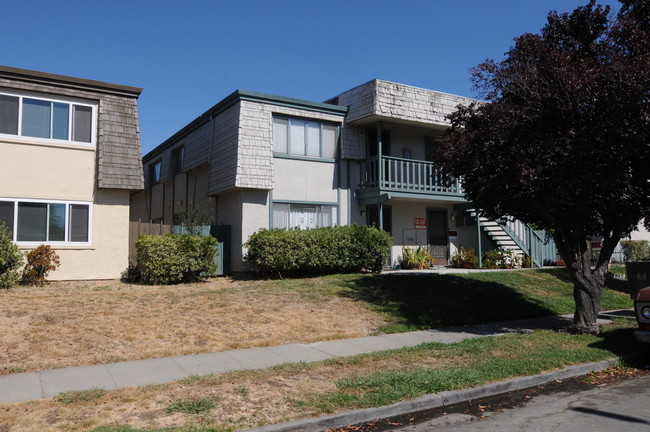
(520, 238)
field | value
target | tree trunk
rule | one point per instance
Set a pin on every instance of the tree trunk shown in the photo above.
(588, 283)
(587, 289)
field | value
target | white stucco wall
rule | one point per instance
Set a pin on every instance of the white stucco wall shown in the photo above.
(303, 180)
(640, 233)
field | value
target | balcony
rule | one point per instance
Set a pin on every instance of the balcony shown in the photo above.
(405, 178)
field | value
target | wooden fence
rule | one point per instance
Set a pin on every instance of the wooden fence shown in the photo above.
(137, 228)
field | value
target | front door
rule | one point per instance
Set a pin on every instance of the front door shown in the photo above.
(437, 229)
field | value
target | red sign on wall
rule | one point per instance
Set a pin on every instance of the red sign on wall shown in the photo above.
(420, 223)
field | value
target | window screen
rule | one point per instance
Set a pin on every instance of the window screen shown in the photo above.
(82, 123)
(79, 222)
(8, 115)
(7, 215)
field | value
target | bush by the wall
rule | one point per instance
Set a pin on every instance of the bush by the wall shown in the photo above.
(40, 261)
(635, 250)
(464, 258)
(501, 259)
(327, 250)
(175, 258)
(10, 259)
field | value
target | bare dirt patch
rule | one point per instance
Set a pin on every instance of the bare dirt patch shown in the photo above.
(80, 323)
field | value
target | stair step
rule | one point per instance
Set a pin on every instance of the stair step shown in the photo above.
(492, 228)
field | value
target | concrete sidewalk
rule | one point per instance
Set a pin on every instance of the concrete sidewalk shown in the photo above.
(48, 383)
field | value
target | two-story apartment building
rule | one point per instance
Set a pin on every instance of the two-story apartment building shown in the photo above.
(70, 157)
(365, 156)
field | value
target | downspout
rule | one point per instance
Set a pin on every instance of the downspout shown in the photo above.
(210, 163)
(478, 234)
(337, 167)
(349, 182)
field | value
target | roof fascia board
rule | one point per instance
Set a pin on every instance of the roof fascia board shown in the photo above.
(68, 82)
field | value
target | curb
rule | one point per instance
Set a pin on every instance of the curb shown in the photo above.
(431, 401)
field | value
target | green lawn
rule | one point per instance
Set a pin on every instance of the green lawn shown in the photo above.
(474, 362)
(433, 300)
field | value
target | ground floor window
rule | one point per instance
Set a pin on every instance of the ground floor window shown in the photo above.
(304, 216)
(55, 222)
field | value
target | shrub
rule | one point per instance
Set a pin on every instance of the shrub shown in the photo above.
(40, 261)
(175, 258)
(501, 259)
(10, 259)
(635, 250)
(464, 258)
(327, 250)
(419, 258)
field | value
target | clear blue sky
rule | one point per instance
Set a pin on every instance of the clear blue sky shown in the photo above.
(188, 55)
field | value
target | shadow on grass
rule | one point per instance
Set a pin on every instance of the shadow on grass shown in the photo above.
(622, 343)
(429, 301)
(562, 274)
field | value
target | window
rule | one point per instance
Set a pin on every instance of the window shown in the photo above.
(154, 172)
(304, 138)
(42, 118)
(31, 221)
(179, 159)
(304, 216)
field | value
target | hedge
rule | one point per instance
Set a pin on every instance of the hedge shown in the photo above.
(341, 249)
(175, 258)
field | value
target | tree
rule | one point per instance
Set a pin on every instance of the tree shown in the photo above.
(562, 139)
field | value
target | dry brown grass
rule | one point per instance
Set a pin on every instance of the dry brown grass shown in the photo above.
(80, 323)
(246, 399)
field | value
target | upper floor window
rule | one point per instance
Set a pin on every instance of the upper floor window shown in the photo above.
(300, 137)
(34, 117)
(154, 173)
(179, 159)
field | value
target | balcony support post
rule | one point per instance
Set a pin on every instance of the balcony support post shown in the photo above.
(379, 154)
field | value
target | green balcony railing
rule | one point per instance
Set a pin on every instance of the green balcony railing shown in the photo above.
(407, 175)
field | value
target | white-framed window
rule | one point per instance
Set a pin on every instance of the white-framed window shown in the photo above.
(47, 221)
(38, 117)
(301, 137)
(304, 216)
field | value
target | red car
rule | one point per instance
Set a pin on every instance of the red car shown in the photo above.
(638, 276)
(642, 308)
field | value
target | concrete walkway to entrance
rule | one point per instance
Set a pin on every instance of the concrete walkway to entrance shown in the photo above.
(48, 383)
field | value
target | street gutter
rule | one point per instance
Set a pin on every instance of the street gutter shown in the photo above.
(432, 401)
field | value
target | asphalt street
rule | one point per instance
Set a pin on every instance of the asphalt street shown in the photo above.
(622, 407)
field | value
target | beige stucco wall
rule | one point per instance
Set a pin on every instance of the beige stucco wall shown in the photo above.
(38, 171)
(35, 170)
(107, 258)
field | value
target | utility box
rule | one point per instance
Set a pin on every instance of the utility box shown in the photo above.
(638, 276)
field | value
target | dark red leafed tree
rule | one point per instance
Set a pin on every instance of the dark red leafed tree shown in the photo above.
(562, 140)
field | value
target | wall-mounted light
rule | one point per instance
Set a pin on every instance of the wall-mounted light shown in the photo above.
(362, 212)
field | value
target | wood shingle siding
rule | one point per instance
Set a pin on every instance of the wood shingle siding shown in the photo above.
(119, 162)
